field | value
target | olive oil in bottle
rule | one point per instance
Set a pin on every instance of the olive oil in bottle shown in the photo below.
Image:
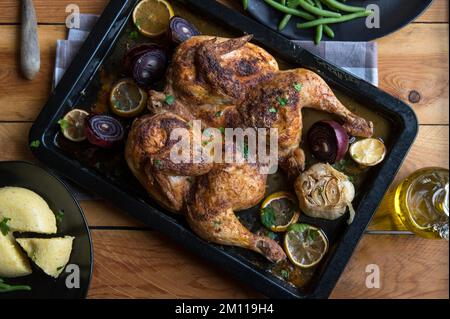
(421, 202)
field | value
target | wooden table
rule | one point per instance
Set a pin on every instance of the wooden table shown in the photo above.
(132, 261)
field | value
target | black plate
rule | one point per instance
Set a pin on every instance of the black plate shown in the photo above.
(84, 69)
(56, 194)
(394, 15)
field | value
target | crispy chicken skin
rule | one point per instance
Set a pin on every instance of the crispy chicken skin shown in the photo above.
(215, 199)
(278, 103)
(148, 155)
(209, 76)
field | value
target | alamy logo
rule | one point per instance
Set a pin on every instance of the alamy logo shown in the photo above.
(73, 277)
(248, 145)
(73, 19)
(373, 280)
(373, 21)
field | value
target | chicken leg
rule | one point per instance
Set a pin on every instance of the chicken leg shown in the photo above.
(215, 199)
(278, 103)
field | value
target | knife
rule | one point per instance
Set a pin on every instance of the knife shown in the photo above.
(30, 60)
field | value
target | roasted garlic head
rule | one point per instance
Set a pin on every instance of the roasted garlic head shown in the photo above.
(324, 192)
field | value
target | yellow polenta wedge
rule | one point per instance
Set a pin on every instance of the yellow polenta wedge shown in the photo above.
(27, 210)
(50, 254)
(13, 262)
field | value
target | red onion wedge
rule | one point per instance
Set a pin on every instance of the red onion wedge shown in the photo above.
(134, 53)
(150, 68)
(146, 63)
(328, 141)
(181, 30)
(104, 131)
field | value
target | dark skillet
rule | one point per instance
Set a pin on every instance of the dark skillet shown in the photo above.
(22, 174)
(394, 15)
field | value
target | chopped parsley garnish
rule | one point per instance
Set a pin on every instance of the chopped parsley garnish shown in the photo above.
(298, 227)
(341, 165)
(59, 215)
(158, 164)
(4, 228)
(35, 144)
(170, 99)
(246, 151)
(297, 87)
(283, 101)
(271, 235)
(134, 35)
(219, 114)
(273, 110)
(222, 130)
(285, 274)
(64, 124)
(4, 287)
(268, 217)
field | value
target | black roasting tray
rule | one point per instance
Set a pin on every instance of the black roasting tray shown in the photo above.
(101, 42)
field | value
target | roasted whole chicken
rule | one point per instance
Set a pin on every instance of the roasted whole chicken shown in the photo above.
(235, 84)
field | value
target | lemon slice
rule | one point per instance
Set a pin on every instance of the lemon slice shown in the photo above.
(279, 211)
(73, 125)
(151, 17)
(368, 152)
(127, 99)
(305, 245)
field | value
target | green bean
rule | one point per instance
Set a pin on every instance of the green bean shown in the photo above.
(287, 17)
(341, 6)
(319, 34)
(284, 22)
(319, 12)
(245, 4)
(328, 31)
(344, 18)
(319, 28)
(292, 11)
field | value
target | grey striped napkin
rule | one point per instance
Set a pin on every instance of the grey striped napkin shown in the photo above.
(358, 58)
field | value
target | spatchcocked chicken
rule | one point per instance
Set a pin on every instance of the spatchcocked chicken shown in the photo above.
(226, 83)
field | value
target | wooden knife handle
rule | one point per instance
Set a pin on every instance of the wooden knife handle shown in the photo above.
(30, 59)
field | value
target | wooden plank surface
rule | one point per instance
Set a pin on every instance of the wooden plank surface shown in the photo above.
(143, 264)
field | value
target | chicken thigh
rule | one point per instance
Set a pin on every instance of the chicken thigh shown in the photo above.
(148, 154)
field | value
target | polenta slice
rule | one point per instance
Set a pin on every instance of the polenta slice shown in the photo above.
(13, 262)
(51, 255)
(27, 211)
